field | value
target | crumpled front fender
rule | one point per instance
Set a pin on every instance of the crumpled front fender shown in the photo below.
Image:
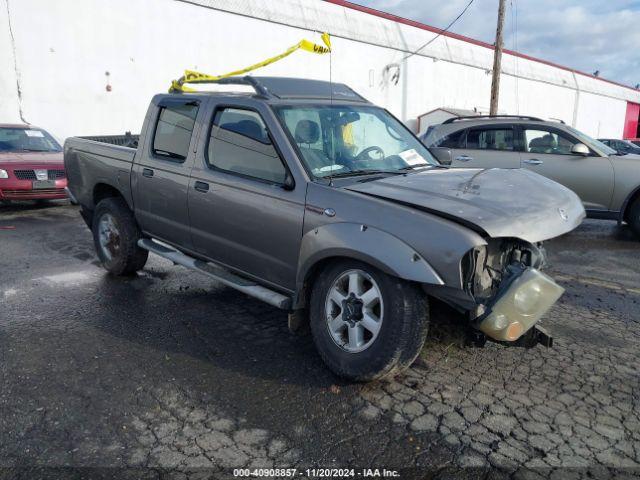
(367, 244)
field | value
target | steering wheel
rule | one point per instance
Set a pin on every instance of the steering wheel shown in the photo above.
(364, 155)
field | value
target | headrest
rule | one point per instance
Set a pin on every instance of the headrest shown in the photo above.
(248, 128)
(307, 131)
(543, 142)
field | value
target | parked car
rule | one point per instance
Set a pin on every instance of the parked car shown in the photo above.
(623, 147)
(31, 164)
(635, 141)
(308, 197)
(607, 183)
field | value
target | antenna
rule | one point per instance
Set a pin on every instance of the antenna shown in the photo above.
(331, 76)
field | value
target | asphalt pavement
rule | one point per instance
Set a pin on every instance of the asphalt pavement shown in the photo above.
(168, 374)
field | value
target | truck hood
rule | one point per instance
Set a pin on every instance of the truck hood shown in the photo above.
(19, 158)
(499, 202)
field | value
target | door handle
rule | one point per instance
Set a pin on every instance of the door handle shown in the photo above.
(147, 172)
(201, 186)
(533, 161)
(464, 158)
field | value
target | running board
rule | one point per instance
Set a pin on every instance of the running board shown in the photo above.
(220, 274)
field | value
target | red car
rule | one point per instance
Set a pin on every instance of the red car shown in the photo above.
(31, 164)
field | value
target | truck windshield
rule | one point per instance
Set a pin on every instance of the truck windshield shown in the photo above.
(25, 139)
(344, 140)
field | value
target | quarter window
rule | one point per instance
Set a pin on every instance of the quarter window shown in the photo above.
(490, 139)
(546, 141)
(173, 131)
(239, 143)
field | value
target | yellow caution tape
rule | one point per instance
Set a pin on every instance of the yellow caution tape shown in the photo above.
(193, 77)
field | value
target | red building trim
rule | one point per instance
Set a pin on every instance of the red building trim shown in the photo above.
(473, 41)
(631, 121)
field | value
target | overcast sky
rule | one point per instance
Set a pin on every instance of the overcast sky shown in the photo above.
(587, 35)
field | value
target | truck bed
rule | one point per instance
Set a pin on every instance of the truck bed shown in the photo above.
(91, 162)
(126, 140)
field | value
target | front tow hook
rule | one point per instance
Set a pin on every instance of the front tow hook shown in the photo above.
(542, 337)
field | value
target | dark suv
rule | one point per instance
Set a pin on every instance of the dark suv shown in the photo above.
(623, 147)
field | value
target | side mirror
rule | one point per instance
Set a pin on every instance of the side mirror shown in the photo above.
(443, 155)
(580, 149)
(289, 183)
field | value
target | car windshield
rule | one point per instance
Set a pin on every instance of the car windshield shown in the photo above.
(592, 142)
(631, 145)
(345, 140)
(25, 139)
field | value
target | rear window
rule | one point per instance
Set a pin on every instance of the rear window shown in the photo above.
(174, 129)
(24, 139)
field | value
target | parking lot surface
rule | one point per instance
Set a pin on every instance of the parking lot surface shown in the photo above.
(173, 374)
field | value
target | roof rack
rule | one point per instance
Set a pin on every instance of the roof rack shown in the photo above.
(482, 117)
(287, 88)
(246, 80)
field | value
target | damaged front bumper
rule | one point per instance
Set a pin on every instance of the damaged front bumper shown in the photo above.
(523, 299)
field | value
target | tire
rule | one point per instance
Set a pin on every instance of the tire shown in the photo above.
(633, 217)
(400, 316)
(115, 236)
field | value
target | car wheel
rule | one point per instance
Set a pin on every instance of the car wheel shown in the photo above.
(366, 324)
(116, 235)
(633, 218)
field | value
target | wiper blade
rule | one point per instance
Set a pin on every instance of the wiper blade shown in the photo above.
(354, 173)
(420, 165)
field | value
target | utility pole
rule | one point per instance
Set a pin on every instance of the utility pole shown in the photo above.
(497, 61)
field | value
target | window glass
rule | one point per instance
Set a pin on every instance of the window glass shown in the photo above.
(25, 139)
(344, 140)
(173, 132)
(453, 140)
(490, 139)
(590, 142)
(239, 142)
(545, 141)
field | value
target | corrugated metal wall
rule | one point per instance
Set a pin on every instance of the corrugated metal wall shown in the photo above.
(60, 51)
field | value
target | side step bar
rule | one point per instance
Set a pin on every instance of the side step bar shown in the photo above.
(223, 276)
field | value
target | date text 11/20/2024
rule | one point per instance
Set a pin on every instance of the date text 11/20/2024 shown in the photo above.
(317, 472)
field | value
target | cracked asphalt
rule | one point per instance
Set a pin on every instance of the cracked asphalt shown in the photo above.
(170, 375)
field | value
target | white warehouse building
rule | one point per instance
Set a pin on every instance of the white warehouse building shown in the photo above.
(90, 67)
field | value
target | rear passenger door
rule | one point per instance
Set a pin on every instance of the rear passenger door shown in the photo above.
(490, 146)
(244, 212)
(161, 174)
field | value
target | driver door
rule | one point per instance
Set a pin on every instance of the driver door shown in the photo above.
(547, 151)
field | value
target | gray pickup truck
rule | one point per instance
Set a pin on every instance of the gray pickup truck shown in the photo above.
(306, 196)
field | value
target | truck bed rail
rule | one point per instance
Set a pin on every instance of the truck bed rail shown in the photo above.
(126, 140)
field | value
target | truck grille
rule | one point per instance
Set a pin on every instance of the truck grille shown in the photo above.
(31, 174)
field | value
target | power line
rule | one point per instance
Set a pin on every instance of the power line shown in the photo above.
(441, 32)
(395, 77)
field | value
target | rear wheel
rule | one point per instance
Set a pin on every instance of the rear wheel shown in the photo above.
(366, 324)
(633, 218)
(115, 236)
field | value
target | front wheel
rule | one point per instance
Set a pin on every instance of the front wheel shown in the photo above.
(366, 324)
(633, 218)
(116, 235)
